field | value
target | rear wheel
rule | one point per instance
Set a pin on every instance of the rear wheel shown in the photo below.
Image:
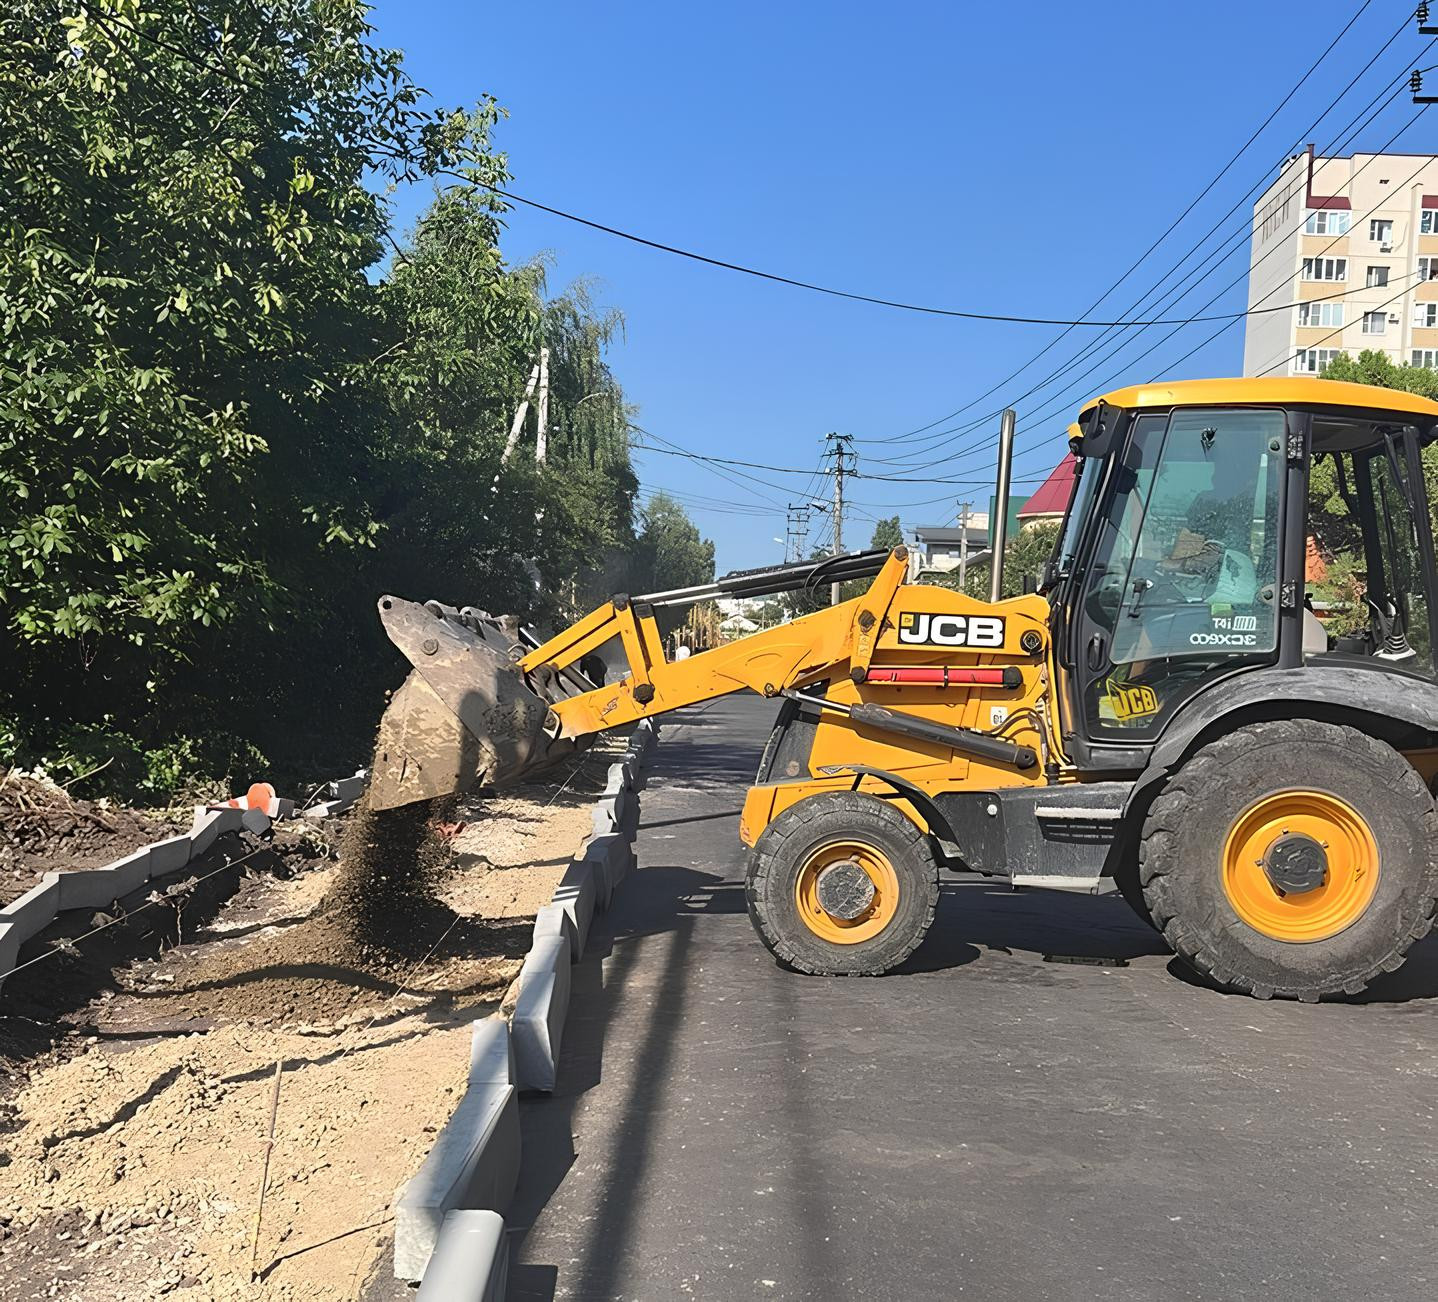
(1292, 858)
(842, 884)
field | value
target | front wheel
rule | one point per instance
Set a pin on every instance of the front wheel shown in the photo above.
(1292, 858)
(842, 884)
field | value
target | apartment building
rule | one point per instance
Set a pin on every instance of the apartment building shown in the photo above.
(1364, 228)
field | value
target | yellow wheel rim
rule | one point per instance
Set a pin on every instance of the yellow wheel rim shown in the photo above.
(843, 862)
(1315, 912)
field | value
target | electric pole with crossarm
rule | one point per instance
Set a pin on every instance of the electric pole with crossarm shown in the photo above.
(844, 458)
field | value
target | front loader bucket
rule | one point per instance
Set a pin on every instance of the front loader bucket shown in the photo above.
(465, 715)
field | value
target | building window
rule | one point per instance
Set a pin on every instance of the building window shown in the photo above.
(1325, 268)
(1428, 268)
(1375, 323)
(1428, 221)
(1326, 221)
(1380, 230)
(1314, 361)
(1320, 314)
(1425, 357)
(1425, 315)
(1275, 216)
(1377, 277)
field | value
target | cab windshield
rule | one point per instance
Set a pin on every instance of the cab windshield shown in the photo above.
(1183, 582)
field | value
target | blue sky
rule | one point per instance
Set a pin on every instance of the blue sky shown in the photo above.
(1004, 158)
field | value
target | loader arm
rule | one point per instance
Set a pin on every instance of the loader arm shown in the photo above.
(786, 656)
(487, 702)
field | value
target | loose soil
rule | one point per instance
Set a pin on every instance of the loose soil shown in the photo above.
(133, 1158)
(42, 829)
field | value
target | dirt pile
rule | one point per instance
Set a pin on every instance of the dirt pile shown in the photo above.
(43, 829)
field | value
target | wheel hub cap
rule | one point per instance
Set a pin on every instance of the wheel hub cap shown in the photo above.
(1296, 863)
(845, 890)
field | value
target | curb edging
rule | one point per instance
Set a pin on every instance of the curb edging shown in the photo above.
(466, 1259)
(474, 1164)
(27, 916)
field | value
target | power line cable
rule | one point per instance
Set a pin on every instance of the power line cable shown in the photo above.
(1056, 403)
(1177, 221)
(839, 293)
(1241, 233)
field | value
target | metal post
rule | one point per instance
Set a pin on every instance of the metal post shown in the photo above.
(999, 525)
(963, 545)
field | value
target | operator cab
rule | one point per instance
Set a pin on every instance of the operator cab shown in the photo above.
(1224, 525)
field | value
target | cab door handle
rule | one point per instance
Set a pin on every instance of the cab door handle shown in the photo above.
(1096, 651)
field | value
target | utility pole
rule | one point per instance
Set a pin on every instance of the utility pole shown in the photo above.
(963, 543)
(839, 449)
(797, 528)
(541, 438)
(523, 410)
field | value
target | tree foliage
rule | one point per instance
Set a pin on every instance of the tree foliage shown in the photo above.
(669, 554)
(1330, 521)
(225, 427)
(887, 533)
(1024, 556)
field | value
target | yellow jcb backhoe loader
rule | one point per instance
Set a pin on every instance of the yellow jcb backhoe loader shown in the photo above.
(1166, 716)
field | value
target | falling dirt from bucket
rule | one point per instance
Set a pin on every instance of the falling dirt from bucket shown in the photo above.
(390, 862)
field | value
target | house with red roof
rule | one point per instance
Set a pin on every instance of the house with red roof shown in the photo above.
(1051, 500)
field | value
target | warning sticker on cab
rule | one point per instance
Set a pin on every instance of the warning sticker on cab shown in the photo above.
(918, 629)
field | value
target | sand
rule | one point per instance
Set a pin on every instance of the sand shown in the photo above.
(132, 1160)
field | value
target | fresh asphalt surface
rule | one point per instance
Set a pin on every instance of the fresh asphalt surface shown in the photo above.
(984, 1123)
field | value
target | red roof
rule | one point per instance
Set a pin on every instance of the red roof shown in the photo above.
(1053, 494)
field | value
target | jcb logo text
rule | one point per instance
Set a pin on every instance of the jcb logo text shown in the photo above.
(952, 630)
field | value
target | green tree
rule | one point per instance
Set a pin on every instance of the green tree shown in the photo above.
(1330, 521)
(1024, 556)
(888, 533)
(670, 553)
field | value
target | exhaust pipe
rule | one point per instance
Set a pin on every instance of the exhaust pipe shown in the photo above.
(999, 525)
(466, 715)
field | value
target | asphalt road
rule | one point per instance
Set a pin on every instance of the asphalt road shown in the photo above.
(984, 1123)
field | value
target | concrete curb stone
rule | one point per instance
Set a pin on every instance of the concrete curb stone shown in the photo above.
(577, 894)
(470, 1262)
(491, 1052)
(348, 790)
(539, 1013)
(170, 855)
(35, 909)
(617, 779)
(553, 920)
(93, 888)
(611, 854)
(459, 1252)
(210, 824)
(474, 1163)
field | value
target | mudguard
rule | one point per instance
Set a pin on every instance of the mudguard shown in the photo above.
(1379, 700)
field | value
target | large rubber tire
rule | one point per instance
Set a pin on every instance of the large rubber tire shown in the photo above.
(793, 839)
(1126, 880)
(1188, 826)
